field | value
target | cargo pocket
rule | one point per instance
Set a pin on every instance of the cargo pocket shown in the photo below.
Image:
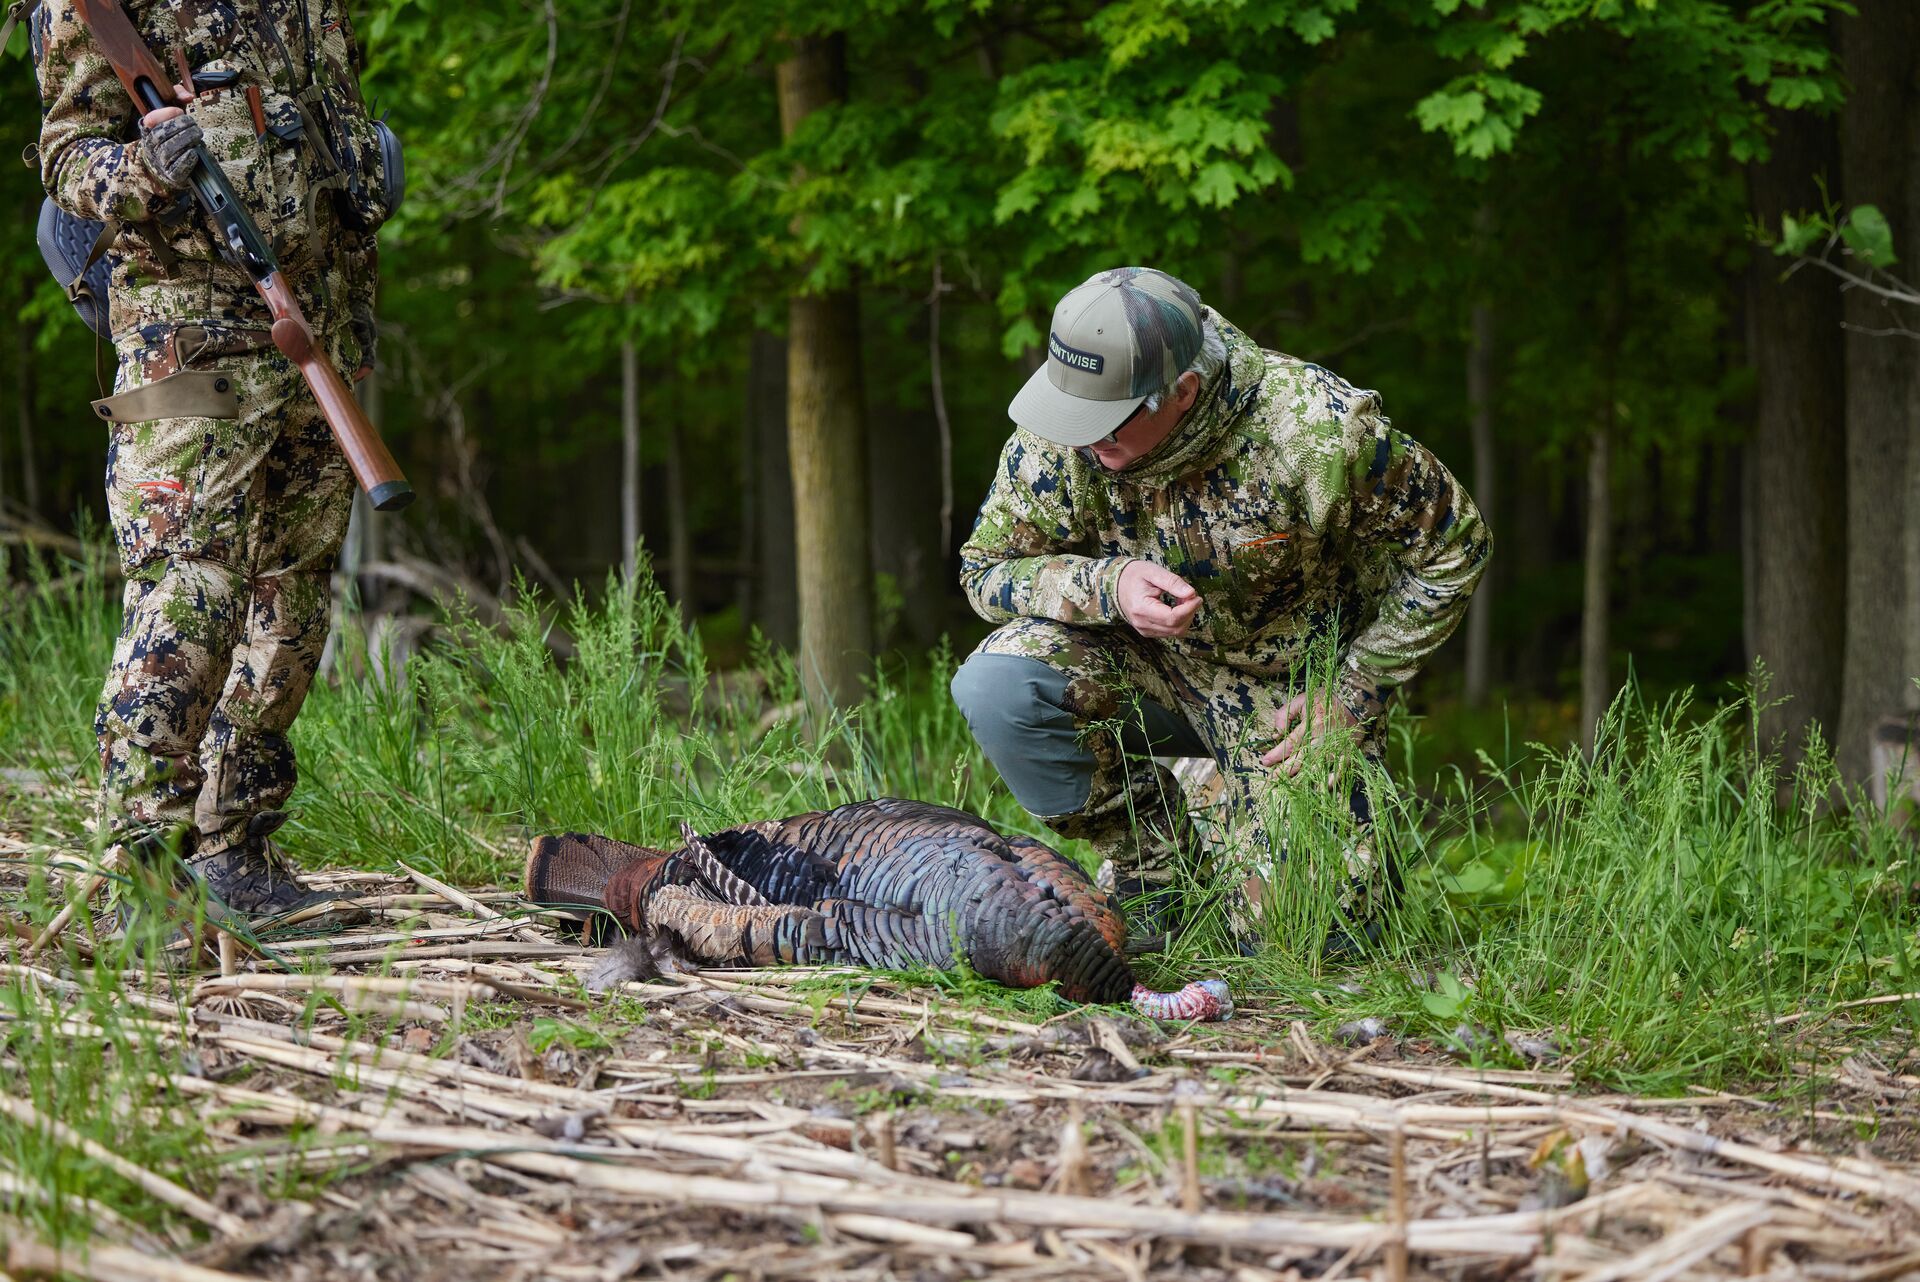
(160, 432)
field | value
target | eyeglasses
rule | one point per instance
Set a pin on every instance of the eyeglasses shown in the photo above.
(1113, 437)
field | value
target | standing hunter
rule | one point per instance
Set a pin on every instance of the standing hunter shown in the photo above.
(1180, 524)
(227, 492)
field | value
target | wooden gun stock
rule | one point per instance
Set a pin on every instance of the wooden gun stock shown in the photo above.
(367, 454)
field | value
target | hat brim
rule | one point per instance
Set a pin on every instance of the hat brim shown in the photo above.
(1073, 421)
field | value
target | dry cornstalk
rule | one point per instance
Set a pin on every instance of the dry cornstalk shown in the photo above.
(394, 985)
(99, 1262)
(436, 952)
(1514, 1234)
(881, 1228)
(1854, 1175)
(797, 1161)
(108, 866)
(1190, 1151)
(884, 1149)
(468, 902)
(245, 1035)
(157, 1186)
(1678, 1251)
(1397, 1242)
(100, 1213)
(1070, 1171)
(867, 1003)
(1885, 1000)
(333, 943)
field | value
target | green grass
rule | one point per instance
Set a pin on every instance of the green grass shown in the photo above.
(1651, 910)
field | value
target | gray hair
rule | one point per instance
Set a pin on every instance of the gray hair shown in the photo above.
(1208, 361)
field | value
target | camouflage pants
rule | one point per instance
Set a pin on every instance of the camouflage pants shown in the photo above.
(1075, 749)
(227, 530)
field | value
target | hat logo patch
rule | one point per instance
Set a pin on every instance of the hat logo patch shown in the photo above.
(1073, 357)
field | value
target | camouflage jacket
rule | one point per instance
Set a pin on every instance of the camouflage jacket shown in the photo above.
(1284, 497)
(164, 267)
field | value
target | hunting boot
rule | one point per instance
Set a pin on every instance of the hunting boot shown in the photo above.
(250, 885)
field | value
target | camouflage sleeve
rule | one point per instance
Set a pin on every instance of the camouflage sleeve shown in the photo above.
(87, 164)
(1020, 560)
(1410, 517)
(360, 252)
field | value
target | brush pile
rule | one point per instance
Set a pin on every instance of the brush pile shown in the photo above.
(444, 1102)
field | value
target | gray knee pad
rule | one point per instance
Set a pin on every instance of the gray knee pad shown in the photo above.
(1013, 706)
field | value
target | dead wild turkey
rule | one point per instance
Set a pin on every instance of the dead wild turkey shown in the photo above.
(885, 883)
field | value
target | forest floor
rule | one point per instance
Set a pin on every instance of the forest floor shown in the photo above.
(434, 1095)
(1633, 1019)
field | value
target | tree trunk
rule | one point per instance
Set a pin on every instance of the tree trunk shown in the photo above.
(1595, 690)
(776, 599)
(746, 480)
(1527, 559)
(936, 374)
(1485, 472)
(1795, 522)
(907, 505)
(679, 528)
(629, 457)
(3, 454)
(1880, 52)
(826, 434)
(26, 396)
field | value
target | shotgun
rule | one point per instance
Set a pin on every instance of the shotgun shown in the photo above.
(240, 241)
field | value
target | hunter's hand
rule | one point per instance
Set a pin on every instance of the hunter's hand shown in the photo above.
(168, 138)
(1301, 721)
(366, 332)
(1155, 600)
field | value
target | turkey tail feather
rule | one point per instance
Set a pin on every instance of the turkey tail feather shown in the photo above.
(729, 887)
(572, 870)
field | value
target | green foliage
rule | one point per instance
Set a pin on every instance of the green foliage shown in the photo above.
(1650, 908)
(1867, 234)
(548, 1033)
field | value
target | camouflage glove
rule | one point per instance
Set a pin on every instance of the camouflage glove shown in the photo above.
(366, 332)
(169, 149)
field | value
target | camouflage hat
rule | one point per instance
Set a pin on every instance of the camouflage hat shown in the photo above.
(1121, 336)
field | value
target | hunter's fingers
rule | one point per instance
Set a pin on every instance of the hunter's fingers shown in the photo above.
(1289, 712)
(1150, 614)
(1161, 579)
(1288, 749)
(159, 115)
(1181, 612)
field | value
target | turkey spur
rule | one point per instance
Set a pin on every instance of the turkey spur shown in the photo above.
(885, 883)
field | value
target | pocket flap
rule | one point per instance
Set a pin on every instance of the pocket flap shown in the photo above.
(191, 393)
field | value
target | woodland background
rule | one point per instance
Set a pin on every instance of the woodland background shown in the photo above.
(665, 266)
